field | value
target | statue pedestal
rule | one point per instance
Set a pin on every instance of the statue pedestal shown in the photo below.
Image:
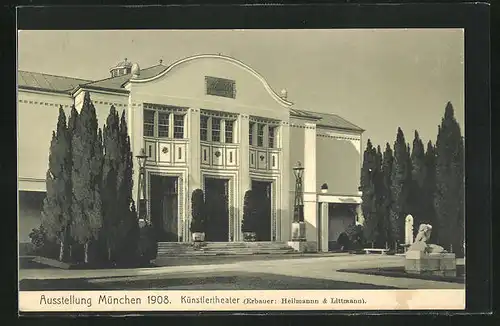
(418, 262)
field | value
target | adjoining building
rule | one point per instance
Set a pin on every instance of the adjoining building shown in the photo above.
(209, 122)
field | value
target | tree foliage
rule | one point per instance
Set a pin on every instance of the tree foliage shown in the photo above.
(249, 222)
(112, 157)
(400, 186)
(198, 211)
(370, 172)
(86, 177)
(56, 213)
(386, 195)
(450, 182)
(429, 189)
(419, 171)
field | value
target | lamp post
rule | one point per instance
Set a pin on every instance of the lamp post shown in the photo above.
(141, 187)
(298, 226)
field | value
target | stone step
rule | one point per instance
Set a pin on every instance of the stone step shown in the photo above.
(222, 248)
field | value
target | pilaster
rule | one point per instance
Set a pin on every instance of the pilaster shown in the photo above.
(244, 169)
(359, 215)
(285, 173)
(324, 227)
(309, 183)
(194, 161)
(135, 128)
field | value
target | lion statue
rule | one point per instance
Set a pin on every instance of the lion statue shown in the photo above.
(420, 243)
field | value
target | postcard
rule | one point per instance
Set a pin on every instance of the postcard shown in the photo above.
(241, 170)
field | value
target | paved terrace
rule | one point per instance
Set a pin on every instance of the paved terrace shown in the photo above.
(325, 268)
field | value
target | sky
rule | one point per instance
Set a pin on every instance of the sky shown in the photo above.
(379, 79)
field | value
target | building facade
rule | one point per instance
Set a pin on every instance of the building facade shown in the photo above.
(206, 122)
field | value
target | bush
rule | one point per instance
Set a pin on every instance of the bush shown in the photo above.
(343, 241)
(249, 222)
(42, 245)
(352, 238)
(148, 246)
(355, 234)
(198, 211)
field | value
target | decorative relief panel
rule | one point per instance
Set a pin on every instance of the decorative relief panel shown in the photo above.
(262, 160)
(179, 153)
(253, 159)
(165, 152)
(231, 157)
(274, 164)
(150, 148)
(217, 156)
(205, 155)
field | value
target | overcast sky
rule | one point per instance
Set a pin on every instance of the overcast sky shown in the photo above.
(377, 79)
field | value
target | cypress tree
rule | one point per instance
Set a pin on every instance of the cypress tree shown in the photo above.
(417, 193)
(56, 214)
(429, 188)
(112, 158)
(400, 184)
(450, 182)
(128, 239)
(379, 193)
(86, 173)
(370, 171)
(386, 205)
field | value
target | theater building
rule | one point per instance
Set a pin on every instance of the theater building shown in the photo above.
(209, 122)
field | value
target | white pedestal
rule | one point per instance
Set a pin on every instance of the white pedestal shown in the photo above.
(303, 246)
(418, 262)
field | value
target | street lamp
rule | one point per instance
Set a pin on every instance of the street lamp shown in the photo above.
(141, 186)
(298, 229)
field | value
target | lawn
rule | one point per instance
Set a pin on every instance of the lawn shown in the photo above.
(400, 272)
(219, 281)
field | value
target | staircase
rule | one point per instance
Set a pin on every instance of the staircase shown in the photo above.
(222, 248)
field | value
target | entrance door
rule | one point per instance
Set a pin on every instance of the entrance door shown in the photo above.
(262, 191)
(217, 205)
(164, 203)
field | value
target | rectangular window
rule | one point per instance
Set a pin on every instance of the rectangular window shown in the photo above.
(250, 133)
(260, 135)
(203, 128)
(163, 124)
(216, 129)
(229, 131)
(220, 87)
(272, 135)
(178, 126)
(149, 123)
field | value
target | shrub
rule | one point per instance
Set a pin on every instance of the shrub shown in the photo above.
(248, 224)
(198, 211)
(42, 245)
(355, 234)
(148, 246)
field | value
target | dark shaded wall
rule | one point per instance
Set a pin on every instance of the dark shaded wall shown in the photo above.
(30, 207)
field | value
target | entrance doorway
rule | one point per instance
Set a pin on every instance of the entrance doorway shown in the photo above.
(217, 205)
(262, 192)
(164, 207)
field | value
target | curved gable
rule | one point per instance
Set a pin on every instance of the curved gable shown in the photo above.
(188, 78)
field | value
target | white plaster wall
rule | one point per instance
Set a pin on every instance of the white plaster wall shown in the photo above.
(296, 153)
(30, 207)
(338, 163)
(36, 119)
